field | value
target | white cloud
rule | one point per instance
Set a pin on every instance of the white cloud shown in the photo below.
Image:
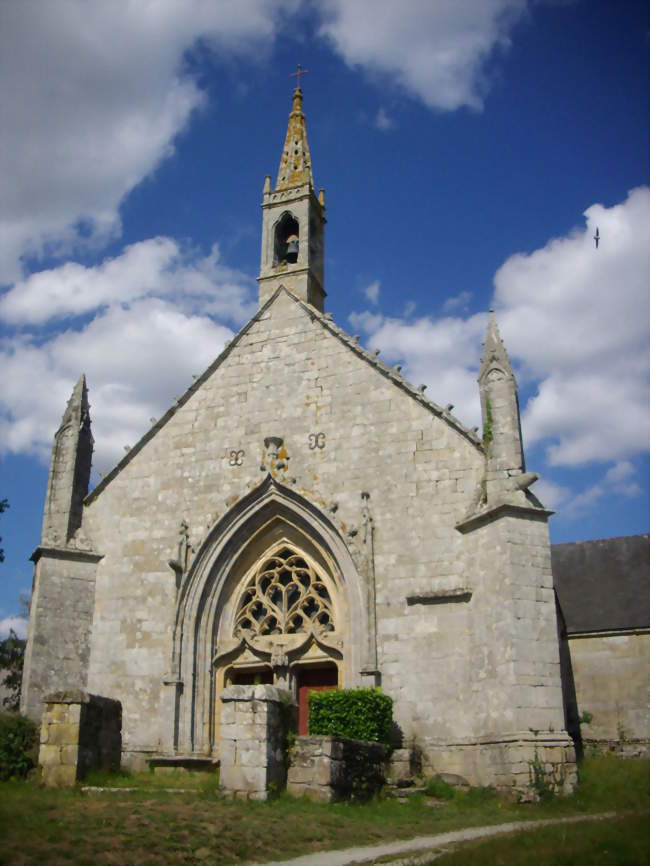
(581, 503)
(147, 328)
(372, 291)
(156, 267)
(442, 353)
(576, 323)
(550, 494)
(383, 121)
(436, 51)
(578, 320)
(457, 302)
(620, 478)
(93, 96)
(17, 623)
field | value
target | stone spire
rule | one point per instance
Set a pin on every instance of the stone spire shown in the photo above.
(295, 163)
(293, 221)
(500, 405)
(67, 485)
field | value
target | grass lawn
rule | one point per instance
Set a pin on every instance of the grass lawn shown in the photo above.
(616, 842)
(199, 827)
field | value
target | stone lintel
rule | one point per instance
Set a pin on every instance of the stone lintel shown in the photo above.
(70, 553)
(78, 696)
(501, 509)
(440, 596)
(270, 694)
(188, 762)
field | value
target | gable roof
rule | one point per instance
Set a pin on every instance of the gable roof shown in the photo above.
(603, 585)
(325, 320)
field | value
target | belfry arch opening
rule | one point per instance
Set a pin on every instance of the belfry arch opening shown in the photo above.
(286, 240)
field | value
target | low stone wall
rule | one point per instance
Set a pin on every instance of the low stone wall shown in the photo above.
(79, 732)
(610, 674)
(507, 762)
(335, 768)
(404, 764)
(253, 738)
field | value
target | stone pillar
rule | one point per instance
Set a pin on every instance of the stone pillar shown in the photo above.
(254, 721)
(79, 732)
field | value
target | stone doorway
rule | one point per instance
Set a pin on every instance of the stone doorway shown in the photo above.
(311, 678)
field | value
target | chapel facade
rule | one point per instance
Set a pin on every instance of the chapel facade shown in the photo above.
(304, 516)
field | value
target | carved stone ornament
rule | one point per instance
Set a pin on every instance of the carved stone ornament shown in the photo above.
(284, 596)
(273, 445)
(274, 457)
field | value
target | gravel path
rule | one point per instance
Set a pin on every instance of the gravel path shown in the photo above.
(432, 845)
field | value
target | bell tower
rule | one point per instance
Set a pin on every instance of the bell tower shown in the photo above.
(293, 221)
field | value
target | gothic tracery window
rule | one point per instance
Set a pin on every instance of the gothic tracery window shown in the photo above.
(285, 595)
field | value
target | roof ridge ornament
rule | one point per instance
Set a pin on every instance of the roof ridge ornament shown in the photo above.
(300, 70)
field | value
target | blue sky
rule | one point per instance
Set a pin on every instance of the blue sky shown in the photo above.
(468, 151)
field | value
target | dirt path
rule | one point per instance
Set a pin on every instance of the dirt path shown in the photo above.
(433, 845)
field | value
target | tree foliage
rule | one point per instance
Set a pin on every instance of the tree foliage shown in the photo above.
(18, 745)
(12, 656)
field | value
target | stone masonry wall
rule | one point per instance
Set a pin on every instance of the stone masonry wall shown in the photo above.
(79, 732)
(289, 376)
(509, 763)
(612, 684)
(61, 614)
(466, 640)
(335, 768)
(253, 735)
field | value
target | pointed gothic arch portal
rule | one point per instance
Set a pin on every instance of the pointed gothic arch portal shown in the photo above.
(273, 596)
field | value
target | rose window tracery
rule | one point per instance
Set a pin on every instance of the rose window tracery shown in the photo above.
(285, 595)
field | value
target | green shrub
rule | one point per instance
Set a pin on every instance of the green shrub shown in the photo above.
(18, 745)
(437, 787)
(361, 714)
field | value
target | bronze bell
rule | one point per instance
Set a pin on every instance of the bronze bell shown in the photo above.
(292, 248)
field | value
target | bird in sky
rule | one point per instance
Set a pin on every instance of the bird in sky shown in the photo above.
(597, 237)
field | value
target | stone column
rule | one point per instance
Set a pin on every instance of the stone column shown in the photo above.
(254, 720)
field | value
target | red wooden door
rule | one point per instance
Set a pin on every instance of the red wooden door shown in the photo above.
(313, 680)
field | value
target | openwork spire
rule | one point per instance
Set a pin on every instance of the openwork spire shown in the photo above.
(295, 164)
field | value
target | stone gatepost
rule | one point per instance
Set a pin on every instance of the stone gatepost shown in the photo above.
(254, 721)
(79, 732)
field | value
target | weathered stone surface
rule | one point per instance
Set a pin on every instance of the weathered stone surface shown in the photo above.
(431, 559)
(358, 773)
(612, 687)
(253, 741)
(79, 731)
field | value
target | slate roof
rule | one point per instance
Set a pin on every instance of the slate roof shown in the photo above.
(603, 585)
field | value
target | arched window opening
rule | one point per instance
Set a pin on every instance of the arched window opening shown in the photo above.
(287, 235)
(285, 595)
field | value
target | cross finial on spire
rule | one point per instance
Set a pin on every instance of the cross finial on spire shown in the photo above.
(299, 71)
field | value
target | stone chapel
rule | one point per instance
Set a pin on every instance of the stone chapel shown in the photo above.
(304, 516)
